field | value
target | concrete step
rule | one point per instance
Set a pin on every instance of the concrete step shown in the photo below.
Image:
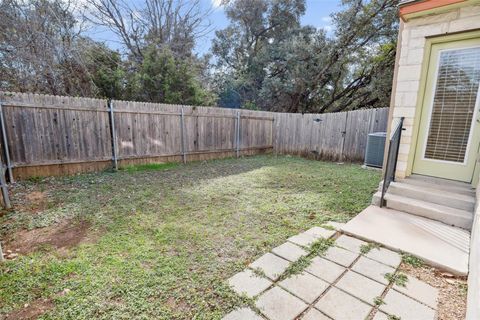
(427, 194)
(440, 185)
(438, 244)
(450, 216)
(439, 181)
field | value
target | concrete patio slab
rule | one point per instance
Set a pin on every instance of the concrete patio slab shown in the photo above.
(305, 286)
(271, 265)
(361, 287)
(278, 304)
(438, 244)
(242, 314)
(289, 251)
(314, 314)
(350, 243)
(319, 232)
(385, 256)
(373, 269)
(397, 304)
(325, 269)
(303, 239)
(248, 283)
(420, 291)
(341, 256)
(350, 308)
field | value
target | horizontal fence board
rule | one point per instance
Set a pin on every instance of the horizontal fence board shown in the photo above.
(45, 131)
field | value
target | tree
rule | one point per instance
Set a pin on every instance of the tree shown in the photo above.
(302, 69)
(161, 77)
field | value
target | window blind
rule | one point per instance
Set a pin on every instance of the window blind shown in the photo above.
(454, 101)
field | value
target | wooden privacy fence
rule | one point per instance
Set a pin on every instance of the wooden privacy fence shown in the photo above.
(334, 136)
(51, 135)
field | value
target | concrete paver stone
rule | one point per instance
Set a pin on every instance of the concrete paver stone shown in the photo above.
(289, 251)
(373, 269)
(319, 232)
(325, 269)
(248, 283)
(336, 225)
(305, 286)
(361, 287)
(342, 306)
(397, 304)
(271, 265)
(350, 243)
(242, 314)
(314, 314)
(278, 304)
(380, 316)
(303, 239)
(341, 256)
(385, 256)
(420, 291)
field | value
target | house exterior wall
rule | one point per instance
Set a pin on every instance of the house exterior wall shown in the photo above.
(412, 63)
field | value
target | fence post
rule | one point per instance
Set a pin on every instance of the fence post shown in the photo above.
(5, 145)
(237, 134)
(344, 135)
(182, 130)
(113, 134)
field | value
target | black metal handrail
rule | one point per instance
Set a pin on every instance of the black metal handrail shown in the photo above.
(392, 156)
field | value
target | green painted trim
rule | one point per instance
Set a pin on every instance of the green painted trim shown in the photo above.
(421, 90)
(440, 10)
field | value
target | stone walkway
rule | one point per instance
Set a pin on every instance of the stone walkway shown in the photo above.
(343, 284)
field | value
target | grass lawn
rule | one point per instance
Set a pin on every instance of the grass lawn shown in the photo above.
(158, 242)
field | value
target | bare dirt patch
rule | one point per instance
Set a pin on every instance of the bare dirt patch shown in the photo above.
(452, 298)
(34, 201)
(32, 310)
(63, 235)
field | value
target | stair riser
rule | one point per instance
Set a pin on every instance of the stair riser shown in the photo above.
(461, 222)
(439, 198)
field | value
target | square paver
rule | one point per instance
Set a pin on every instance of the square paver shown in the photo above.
(303, 239)
(350, 243)
(341, 256)
(289, 251)
(397, 304)
(361, 287)
(319, 232)
(271, 265)
(325, 269)
(420, 291)
(385, 256)
(242, 314)
(336, 225)
(248, 283)
(278, 304)
(342, 306)
(373, 269)
(305, 286)
(380, 316)
(314, 314)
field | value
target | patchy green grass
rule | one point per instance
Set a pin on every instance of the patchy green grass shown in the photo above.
(161, 243)
(150, 166)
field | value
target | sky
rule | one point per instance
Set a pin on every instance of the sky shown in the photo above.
(317, 14)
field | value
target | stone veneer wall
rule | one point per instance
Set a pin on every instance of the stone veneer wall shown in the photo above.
(410, 63)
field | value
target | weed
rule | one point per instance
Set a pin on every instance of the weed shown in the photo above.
(412, 260)
(366, 248)
(297, 267)
(320, 246)
(393, 317)
(399, 279)
(378, 301)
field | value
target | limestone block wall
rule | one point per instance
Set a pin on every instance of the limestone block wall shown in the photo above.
(410, 63)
